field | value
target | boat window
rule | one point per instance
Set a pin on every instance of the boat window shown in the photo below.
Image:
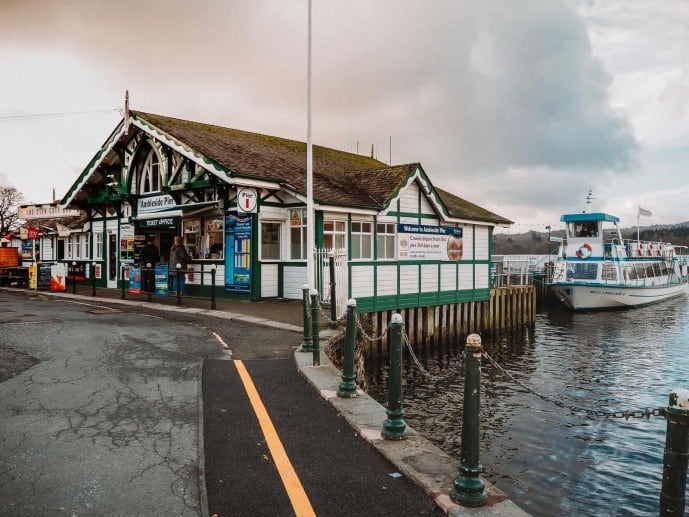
(609, 272)
(584, 271)
(586, 229)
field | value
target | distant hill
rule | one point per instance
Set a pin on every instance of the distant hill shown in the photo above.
(536, 243)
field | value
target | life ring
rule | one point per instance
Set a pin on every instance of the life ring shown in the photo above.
(639, 251)
(584, 251)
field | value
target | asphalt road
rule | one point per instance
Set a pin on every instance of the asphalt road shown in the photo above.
(100, 411)
(99, 408)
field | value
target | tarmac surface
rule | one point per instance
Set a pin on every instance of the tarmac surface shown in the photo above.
(333, 446)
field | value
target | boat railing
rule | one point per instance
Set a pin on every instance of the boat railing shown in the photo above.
(647, 249)
(509, 270)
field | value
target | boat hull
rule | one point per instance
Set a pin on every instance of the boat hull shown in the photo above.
(582, 296)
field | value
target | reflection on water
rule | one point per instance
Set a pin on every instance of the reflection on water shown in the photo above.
(552, 461)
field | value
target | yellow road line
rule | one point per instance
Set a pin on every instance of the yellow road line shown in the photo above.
(295, 491)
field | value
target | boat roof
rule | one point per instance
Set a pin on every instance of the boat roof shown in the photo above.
(596, 216)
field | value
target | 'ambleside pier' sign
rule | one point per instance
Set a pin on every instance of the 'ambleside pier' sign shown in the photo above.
(423, 242)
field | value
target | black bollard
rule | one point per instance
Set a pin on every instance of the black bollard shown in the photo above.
(74, 278)
(347, 388)
(122, 294)
(179, 284)
(469, 489)
(213, 288)
(93, 279)
(673, 494)
(315, 329)
(307, 342)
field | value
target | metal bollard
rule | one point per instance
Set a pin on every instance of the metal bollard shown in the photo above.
(213, 287)
(333, 291)
(672, 496)
(394, 426)
(179, 284)
(74, 278)
(122, 295)
(148, 282)
(347, 388)
(469, 489)
(307, 342)
(315, 329)
(93, 279)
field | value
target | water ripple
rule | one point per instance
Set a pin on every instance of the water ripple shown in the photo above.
(549, 460)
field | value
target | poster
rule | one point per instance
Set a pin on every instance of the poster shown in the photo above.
(238, 230)
(425, 242)
(27, 250)
(77, 269)
(135, 279)
(161, 276)
(58, 276)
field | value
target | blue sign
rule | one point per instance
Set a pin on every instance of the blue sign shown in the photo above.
(135, 278)
(161, 276)
(424, 229)
(238, 232)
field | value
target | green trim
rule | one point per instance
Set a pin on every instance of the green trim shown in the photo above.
(255, 263)
(404, 301)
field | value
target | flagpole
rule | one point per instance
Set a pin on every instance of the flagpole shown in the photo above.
(310, 216)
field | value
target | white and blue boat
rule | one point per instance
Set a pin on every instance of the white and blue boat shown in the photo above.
(597, 269)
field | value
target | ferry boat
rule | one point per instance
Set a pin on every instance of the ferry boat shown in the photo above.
(597, 269)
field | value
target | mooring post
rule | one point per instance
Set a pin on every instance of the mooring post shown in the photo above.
(333, 290)
(93, 279)
(347, 388)
(124, 267)
(307, 342)
(672, 496)
(74, 277)
(213, 287)
(394, 426)
(315, 329)
(469, 489)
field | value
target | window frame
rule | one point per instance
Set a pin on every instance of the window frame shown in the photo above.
(301, 228)
(357, 240)
(278, 234)
(385, 236)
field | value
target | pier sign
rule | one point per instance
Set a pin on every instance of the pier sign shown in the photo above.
(426, 242)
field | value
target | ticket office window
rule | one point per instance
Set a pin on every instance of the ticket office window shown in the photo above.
(213, 239)
(191, 236)
(270, 240)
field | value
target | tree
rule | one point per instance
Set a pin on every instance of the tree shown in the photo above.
(10, 198)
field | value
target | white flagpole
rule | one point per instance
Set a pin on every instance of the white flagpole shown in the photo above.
(310, 215)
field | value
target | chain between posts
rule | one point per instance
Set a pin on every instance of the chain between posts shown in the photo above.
(426, 373)
(327, 318)
(591, 413)
(363, 332)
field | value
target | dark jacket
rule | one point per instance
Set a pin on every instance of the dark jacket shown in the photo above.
(178, 254)
(149, 253)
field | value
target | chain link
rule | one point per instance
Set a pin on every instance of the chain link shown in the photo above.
(591, 413)
(327, 318)
(363, 332)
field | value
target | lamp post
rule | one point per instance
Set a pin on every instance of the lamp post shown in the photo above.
(213, 271)
(179, 283)
(74, 277)
(93, 279)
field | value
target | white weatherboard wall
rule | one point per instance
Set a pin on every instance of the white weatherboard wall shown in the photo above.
(468, 242)
(293, 279)
(482, 276)
(269, 280)
(466, 276)
(481, 243)
(409, 198)
(387, 280)
(409, 279)
(429, 278)
(362, 281)
(448, 277)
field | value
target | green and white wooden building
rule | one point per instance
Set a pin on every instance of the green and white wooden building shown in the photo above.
(238, 199)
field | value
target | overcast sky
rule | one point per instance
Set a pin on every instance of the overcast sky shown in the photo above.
(520, 107)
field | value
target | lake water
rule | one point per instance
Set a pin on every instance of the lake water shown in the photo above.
(549, 460)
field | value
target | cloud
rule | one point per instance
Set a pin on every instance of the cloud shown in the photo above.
(472, 90)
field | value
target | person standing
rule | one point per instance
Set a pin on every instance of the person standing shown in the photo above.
(178, 255)
(149, 257)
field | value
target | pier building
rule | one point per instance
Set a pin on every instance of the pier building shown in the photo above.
(238, 199)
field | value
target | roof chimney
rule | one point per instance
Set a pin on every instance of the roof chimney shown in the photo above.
(126, 110)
